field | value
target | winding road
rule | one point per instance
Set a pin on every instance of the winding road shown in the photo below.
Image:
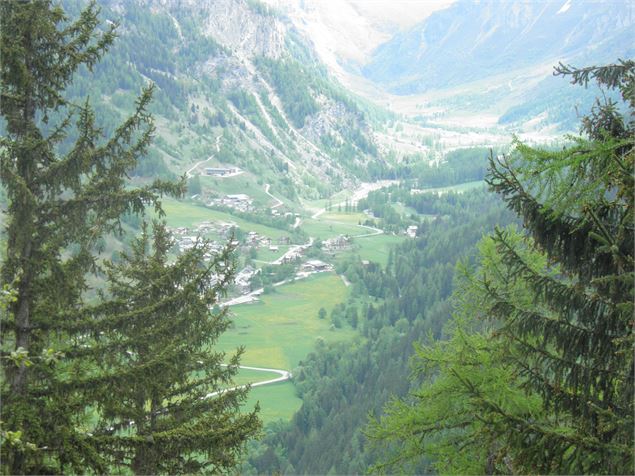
(277, 200)
(284, 375)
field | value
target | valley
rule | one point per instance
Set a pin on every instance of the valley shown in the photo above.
(279, 327)
(316, 237)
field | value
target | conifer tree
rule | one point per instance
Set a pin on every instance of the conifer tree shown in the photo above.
(574, 347)
(550, 388)
(60, 205)
(163, 410)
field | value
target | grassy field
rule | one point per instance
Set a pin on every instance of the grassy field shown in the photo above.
(277, 401)
(323, 202)
(189, 214)
(264, 254)
(375, 248)
(245, 376)
(243, 183)
(281, 330)
(327, 229)
(404, 210)
(348, 218)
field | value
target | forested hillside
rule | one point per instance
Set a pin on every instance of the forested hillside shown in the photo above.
(234, 83)
(539, 363)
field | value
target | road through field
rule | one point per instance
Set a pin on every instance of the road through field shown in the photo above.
(284, 375)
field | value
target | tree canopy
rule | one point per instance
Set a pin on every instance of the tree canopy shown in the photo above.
(61, 355)
(538, 373)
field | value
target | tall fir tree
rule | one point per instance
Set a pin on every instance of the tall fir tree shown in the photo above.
(549, 387)
(575, 346)
(163, 408)
(60, 206)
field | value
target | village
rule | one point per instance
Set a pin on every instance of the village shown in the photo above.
(217, 235)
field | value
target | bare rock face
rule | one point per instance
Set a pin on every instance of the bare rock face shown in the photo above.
(247, 29)
(328, 120)
(249, 33)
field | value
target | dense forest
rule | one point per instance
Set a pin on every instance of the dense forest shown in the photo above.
(539, 359)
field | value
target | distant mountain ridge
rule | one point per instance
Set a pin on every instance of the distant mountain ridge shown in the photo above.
(471, 40)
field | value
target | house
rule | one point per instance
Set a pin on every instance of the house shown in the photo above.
(316, 265)
(412, 231)
(220, 171)
(205, 227)
(186, 242)
(290, 257)
(238, 197)
(247, 273)
(252, 238)
(338, 243)
(244, 277)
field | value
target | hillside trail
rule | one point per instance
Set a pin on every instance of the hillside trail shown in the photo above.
(188, 174)
(275, 199)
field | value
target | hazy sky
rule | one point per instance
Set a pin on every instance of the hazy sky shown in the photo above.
(402, 13)
(349, 30)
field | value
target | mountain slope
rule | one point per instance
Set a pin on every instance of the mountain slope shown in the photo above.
(234, 70)
(472, 40)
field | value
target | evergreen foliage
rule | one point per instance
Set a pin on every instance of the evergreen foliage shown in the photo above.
(60, 207)
(162, 409)
(293, 85)
(547, 384)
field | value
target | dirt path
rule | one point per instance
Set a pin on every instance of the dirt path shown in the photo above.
(188, 174)
(277, 200)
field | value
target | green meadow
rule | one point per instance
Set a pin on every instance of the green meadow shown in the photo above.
(277, 401)
(180, 213)
(267, 256)
(243, 183)
(404, 210)
(279, 332)
(281, 329)
(353, 218)
(321, 203)
(374, 248)
(245, 376)
(324, 229)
